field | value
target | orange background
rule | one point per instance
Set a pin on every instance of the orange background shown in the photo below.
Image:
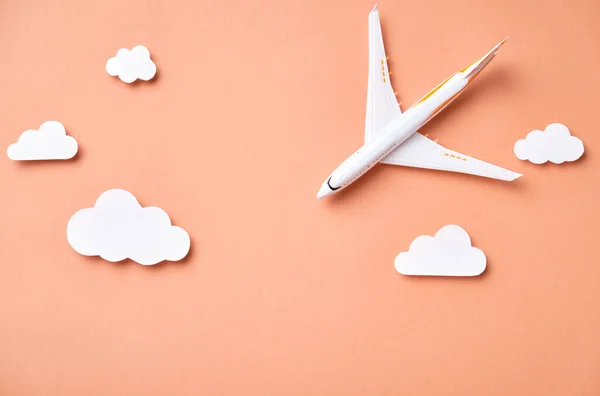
(255, 103)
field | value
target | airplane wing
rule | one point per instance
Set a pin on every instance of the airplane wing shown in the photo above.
(417, 151)
(382, 106)
(420, 152)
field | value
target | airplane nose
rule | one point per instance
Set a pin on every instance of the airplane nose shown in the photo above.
(324, 191)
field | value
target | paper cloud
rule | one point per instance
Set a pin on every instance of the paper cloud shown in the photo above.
(50, 142)
(129, 65)
(448, 253)
(117, 227)
(555, 144)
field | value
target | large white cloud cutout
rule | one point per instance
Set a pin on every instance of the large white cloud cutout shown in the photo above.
(448, 253)
(117, 227)
(50, 142)
(554, 144)
(129, 65)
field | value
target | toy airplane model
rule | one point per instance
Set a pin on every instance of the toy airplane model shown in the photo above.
(391, 136)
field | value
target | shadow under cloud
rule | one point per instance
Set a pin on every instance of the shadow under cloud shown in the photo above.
(129, 263)
(53, 162)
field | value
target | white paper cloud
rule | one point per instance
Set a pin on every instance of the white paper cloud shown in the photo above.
(50, 142)
(117, 227)
(129, 65)
(448, 253)
(555, 144)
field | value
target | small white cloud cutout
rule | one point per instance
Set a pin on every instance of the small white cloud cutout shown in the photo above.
(554, 144)
(448, 253)
(129, 65)
(50, 142)
(117, 227)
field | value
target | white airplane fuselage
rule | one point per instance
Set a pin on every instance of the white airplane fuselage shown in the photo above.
(393, 135)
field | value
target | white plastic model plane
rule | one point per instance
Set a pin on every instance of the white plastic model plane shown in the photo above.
(391, 136)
